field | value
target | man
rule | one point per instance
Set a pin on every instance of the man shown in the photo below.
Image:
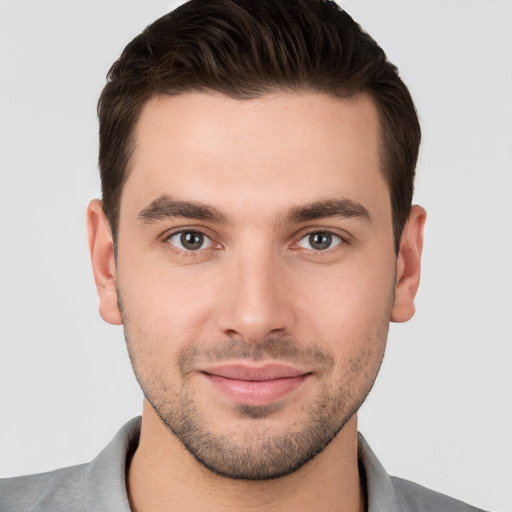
(255, 239)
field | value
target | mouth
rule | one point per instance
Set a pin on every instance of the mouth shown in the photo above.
(255, 385)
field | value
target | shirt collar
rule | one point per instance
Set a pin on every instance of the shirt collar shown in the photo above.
(105, 484)
(380, 491)
(105, 477)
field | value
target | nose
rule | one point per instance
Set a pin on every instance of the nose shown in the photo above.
(257, 300)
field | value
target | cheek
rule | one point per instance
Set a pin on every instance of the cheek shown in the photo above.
(349, 303)
(350, 315)
(165, 305)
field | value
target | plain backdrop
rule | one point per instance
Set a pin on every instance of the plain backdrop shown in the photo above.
(441, 411)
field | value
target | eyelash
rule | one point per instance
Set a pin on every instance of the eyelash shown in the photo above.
(190, 252)
(335, 238)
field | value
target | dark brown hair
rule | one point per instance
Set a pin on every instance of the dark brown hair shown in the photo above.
(248, 48)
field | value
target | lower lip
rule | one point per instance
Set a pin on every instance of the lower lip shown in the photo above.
(254, 393)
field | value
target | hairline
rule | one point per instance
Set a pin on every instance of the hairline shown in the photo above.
(131, 144)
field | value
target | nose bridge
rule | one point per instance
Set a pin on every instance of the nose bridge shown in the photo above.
(256, 304)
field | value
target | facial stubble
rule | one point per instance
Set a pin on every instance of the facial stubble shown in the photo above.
(257, 452)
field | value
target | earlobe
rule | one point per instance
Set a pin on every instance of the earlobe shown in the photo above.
(409, 266)
(103, 262)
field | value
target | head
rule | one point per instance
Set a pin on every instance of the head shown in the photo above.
(257, 164)
(245, 49)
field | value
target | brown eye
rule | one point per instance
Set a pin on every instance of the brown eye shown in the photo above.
(320, 241)
(190, 240)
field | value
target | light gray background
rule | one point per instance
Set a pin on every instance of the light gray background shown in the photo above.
(441, 412)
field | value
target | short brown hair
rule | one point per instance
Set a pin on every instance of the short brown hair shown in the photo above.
(248, 48)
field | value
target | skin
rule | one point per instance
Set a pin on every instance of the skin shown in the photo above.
(257, 290)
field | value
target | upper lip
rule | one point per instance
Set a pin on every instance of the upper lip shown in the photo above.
(241, 371)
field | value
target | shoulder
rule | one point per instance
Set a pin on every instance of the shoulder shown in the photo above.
(53, 491)
(96, 486)
(416, 498)
(388, 493)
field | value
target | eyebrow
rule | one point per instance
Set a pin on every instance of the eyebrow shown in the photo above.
(165, 207)
(344, 208)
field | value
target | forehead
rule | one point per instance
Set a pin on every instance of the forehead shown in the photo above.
(213, 148)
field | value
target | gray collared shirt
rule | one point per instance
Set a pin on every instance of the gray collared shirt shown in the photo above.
(101, 486)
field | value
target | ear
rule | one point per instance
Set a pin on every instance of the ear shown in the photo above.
(409, 266)
(101, 248)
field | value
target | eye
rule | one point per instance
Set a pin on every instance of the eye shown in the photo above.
(320, 241)
(190, 240)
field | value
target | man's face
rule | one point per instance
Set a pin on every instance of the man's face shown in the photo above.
(255, 272)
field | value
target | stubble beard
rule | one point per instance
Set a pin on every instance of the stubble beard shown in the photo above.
(257, 452)
(260, 454)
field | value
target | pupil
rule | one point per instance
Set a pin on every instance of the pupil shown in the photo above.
(192, 240)
(320, 241)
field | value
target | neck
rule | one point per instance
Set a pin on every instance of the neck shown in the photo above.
(164, 477)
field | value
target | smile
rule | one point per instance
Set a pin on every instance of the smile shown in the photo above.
(255, 386)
